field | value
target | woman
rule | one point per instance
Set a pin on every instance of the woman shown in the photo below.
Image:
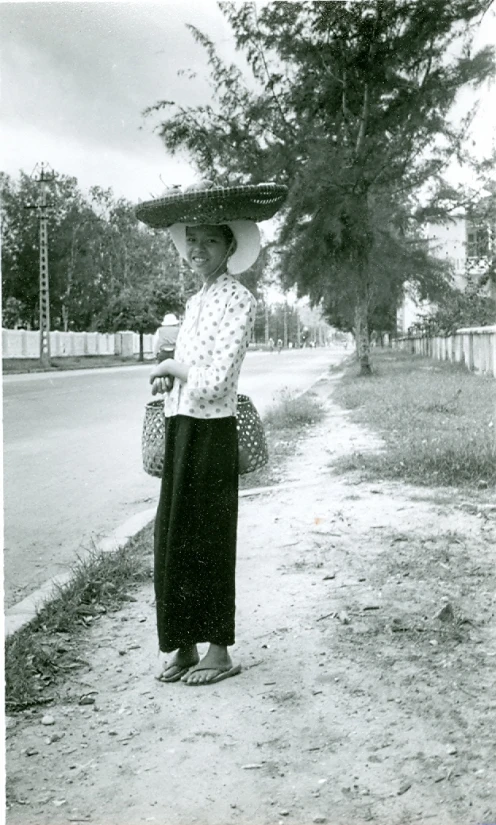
(196, 523)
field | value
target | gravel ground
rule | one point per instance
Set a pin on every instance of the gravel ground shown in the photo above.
(366, 631)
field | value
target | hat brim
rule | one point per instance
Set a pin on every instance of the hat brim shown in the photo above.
(246, 234)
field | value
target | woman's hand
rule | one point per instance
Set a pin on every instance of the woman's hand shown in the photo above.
(170, 369)
(160, 371)
(162, 385)
(160, 378)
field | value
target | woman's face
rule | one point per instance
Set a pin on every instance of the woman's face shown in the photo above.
(206, 250)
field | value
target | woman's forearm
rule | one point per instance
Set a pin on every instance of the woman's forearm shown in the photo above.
(170, 367)
(178, 370)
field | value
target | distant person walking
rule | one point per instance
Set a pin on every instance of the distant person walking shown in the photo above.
(164, 340)
(279, 345)
(196, 523)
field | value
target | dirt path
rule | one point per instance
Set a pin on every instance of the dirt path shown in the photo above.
(355, 704)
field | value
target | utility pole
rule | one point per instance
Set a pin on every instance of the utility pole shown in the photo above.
(43, 175)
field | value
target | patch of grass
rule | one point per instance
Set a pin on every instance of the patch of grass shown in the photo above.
(40, 655)
(285, 423)
(437, 420)
(347, 361)
(69, 362)
(293, 412)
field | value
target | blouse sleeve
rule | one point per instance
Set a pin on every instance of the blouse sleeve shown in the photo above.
(228, 348)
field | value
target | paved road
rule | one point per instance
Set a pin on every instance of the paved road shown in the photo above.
(72, 460)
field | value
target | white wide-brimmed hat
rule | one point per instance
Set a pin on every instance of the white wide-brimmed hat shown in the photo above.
(246, 235)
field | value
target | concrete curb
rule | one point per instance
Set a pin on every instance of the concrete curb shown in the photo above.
(25, 611)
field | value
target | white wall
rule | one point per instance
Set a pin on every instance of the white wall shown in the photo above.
(23, 343)
(448, 242)
(473, 346)
(411, 311)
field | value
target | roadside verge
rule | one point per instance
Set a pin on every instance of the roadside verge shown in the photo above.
(366, 633)
(72, 601)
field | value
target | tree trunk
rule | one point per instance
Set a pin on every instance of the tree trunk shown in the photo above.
(141, 347)
(359, 242)
(362, 335)
(65, 318)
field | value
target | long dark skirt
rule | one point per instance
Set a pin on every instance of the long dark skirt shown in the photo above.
(195, 533)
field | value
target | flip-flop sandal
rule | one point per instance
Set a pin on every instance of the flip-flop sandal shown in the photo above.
(222, 673)
(174, 677)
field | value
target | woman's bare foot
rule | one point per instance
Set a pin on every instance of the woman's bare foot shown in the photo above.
(178, 666)
(215, 661)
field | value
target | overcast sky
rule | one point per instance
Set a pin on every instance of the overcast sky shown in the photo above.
(75, 78)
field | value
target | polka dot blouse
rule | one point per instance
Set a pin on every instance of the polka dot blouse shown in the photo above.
(212, 341)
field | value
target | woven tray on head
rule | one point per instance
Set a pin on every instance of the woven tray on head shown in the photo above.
(216, 205)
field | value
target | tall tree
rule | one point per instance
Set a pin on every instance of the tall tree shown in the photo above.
(347, 102)
(20, 239)
(141, 308)
(471, 307)
(399, 255)
(74, 230)
(98, 256)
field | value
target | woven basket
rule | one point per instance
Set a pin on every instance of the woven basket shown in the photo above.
(153, 438)
(215, 205)
(252, 444)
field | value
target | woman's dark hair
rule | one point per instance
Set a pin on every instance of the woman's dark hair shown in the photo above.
(227, 233)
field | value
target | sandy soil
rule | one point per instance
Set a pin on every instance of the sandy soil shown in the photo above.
(366, 629)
